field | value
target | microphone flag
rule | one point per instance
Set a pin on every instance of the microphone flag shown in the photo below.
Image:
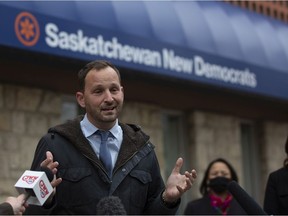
(36, 185)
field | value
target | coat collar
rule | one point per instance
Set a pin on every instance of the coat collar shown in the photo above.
(133, 140)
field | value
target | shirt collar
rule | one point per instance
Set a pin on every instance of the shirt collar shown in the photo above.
(88, 128)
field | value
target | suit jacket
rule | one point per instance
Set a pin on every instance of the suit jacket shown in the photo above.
(276, 194)
(203, 207)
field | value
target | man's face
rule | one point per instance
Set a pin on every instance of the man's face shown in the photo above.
(102, 97)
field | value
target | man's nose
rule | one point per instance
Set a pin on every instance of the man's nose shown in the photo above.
(108, 96)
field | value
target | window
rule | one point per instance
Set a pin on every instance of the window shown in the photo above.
(282, 16)
(69, 108)
(251, 160)
(254, 8)
(261, 9)
(174, 137)
(275, 14)
(246, 4)
(268, 11)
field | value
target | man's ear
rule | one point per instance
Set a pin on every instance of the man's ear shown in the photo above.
(80, 99)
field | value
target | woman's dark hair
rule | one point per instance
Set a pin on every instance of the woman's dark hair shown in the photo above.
(286, 150)
(98, 65)
(204, 186)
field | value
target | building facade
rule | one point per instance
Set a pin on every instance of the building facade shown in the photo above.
(178, 95)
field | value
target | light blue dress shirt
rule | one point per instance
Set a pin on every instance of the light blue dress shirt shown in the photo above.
(114, 141)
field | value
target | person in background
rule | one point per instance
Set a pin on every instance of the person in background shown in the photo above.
(97, 156)
(276, 192)
(13, 205)
(216, 198)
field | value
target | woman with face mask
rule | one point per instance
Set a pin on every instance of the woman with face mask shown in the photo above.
(216, 198)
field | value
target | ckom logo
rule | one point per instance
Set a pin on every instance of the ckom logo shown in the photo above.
(29, 179)
(43, 189)
(27, 29)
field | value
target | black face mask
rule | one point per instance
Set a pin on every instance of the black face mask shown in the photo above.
(219, 184)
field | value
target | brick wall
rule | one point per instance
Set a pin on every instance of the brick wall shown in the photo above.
(214, 136)
(25, 115)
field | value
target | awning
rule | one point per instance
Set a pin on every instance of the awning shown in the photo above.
(210, 42)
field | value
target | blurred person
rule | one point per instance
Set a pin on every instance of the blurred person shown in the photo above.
(97, 156)
(216, 198)
(13, 205)
(276, 192)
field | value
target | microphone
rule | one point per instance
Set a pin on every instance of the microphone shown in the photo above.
(50, 176)
(244, 199)
(110, 205)
(36, 186)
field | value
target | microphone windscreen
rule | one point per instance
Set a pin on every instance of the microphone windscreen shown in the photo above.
(110, 205)
(244, 199)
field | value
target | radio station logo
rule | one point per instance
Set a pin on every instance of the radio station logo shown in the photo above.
(27, 29)
(43, 189)
(29, 179)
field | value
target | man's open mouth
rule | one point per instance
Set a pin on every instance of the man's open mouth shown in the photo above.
(108, 109)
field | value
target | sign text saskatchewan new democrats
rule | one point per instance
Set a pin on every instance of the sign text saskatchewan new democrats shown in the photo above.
(166, 59)
(36, 32)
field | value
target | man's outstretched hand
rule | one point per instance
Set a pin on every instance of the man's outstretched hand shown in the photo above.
(48, 163)
(52, 166)
(177, 184)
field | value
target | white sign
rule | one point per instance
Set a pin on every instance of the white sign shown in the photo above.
(167, 59)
